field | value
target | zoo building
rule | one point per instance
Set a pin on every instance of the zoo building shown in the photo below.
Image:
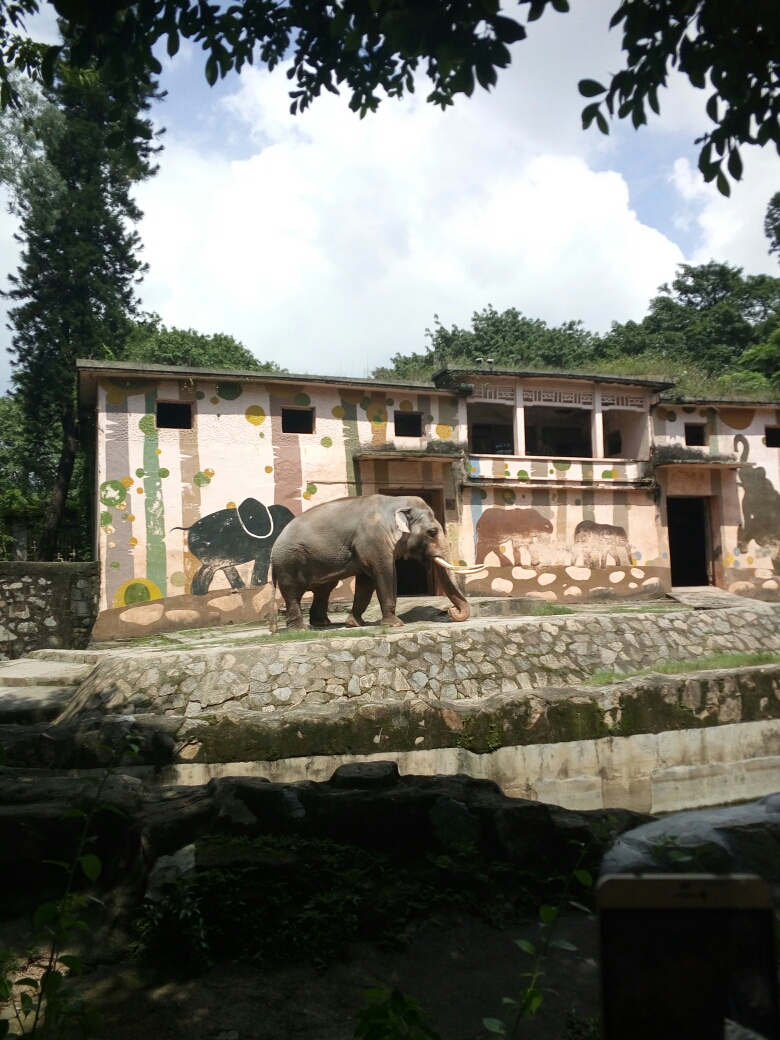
(562, 487)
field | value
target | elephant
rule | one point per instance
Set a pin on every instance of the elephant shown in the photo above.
(360, 538)
(232, 536)
(520, 526)
(760, 508)
(596, 541)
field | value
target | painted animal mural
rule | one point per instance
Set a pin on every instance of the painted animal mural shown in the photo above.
(760, 507)
(594, 542)
(521, 527)
(229, 537)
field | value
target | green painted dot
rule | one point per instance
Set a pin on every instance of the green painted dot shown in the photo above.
(311, 489)
(105, 519)
(509, 497)
(139, 472)
(578, 501)
(482, 494)
(302, 400)
(164, 472)
(390, 402)
(609, 474)
(262, 435)
(671, 416)
(201, 480)
(114, 565)
(326, 442)
(365, 404)
(112, 492)
(178, 579)
(136, 593)
(552, 472)
(147, 425)
(429, 418)
(561, 465)
(228, 391)
(522, 474)
(199, 395)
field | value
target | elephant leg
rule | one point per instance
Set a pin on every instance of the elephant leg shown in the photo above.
(533, 552)
(482, 550)
(385, 579)
(260, 569)
(202, 579)
(292, 593)
(318, 613)
(364, 590)
(233, 578)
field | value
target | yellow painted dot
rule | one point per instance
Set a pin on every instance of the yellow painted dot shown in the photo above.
(131, 517)
(255, 415)
(750, 559)
(128, 481)
(269, 469)
(338, 412)
(140, 491)
(406, 406)
(112, 545)
(230, 505)
(444, 431)
(214, 400)
(306, 495)
(209, 473)
(108, 529)
(132, 542)
(121, 505)
(158, 451)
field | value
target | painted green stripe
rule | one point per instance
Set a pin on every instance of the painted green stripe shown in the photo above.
(153, 496)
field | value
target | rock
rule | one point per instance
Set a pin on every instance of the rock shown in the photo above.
(366, 774)
(742, 839)
(168, 869)
(452, 823)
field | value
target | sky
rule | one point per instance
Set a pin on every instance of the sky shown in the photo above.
(328, 243)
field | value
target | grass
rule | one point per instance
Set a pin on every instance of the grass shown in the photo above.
(545, 609)
(650, 608)
(699, 664)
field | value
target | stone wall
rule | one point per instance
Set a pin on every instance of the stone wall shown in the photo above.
(46, 605)
(450, 662)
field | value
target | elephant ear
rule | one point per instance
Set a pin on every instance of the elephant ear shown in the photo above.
(402, 518)
(255, 518)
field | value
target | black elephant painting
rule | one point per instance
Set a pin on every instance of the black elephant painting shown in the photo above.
(225, 539)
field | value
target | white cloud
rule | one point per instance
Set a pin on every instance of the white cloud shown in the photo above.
(332, 247)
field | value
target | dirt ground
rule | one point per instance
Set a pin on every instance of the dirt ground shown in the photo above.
(459, 970)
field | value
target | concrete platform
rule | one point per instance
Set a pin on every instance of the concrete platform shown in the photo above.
(27, 705)
(33, 672)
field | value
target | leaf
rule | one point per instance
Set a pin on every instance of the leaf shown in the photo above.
(211, 71)
(532, 999)
(723, 185)
(601, 123)
(591, 88)
(735, 164)
(6, 989)
(108, 807)
(173, 42)
(584, 877)
(72, 963)
(32, 983)
(562, 6)
(72, 814)
(548, 914)
(49, 63)
(494, 1025)
(91, 866)
(526, 946)
(560, 944)
(45, 912)
(57, 863)
(5, 1025)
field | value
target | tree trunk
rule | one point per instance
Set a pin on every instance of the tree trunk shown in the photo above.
(52, 520)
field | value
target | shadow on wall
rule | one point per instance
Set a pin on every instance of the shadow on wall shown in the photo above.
(760, 507)
(528, 531)
(223, 540)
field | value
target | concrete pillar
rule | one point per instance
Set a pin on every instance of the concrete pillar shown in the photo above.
(597, 425)
(519, 419)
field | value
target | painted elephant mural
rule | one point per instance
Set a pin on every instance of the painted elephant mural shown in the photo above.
(594, 542)
(521, 527)
(223, 540)
(760, 507)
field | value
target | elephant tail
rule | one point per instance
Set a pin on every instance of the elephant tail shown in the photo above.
(181, 528)
(272, 620)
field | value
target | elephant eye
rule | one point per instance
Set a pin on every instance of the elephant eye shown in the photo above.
(432, 532)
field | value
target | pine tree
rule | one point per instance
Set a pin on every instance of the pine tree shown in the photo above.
(75, 288)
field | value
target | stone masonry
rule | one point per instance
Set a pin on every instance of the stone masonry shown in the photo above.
(470, 661)
(46, 605)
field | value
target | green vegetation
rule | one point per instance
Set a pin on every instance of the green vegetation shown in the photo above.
(714, 331)
(699, 664)
(152, 343)
(546, 609)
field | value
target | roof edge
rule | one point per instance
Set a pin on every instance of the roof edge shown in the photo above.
(654, 383)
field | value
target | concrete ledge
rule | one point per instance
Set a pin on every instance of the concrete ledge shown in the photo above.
(648, 772)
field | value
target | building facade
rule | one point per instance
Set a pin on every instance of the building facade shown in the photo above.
(564, 487)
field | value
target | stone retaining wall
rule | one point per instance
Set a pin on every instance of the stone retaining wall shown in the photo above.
(46, 605)
(451, 662)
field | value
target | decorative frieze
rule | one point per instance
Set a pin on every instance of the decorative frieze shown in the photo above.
(564, 398)
(638, 404)
(503, 392)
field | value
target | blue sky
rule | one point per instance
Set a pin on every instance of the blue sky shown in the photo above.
(328, 243)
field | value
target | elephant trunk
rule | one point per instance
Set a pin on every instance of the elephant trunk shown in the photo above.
(460, 610)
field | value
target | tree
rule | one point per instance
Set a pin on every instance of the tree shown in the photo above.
(75, 289)
(772, 224)
(374, 46)
(765, 359)
(153, 343)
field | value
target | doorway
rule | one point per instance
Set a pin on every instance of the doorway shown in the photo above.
(414, 579)
(688, 520)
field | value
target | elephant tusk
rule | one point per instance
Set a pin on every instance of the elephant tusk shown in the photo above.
(458, 570)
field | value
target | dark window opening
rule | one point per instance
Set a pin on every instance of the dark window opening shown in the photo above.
(174, 415)
(297, 420)
(695, 435)
(408, 424)
(492, 439)
(687, 519)
(772, 436)
(614, 442)
(558, 432)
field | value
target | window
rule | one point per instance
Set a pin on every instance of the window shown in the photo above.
(773, 436)
(614, 442)
(558, 432)
(695, 435)
(174, 415)
(297, 420)
(492, 439)
(408, 424)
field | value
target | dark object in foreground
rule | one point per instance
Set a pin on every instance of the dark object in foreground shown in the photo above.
(687, 957)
